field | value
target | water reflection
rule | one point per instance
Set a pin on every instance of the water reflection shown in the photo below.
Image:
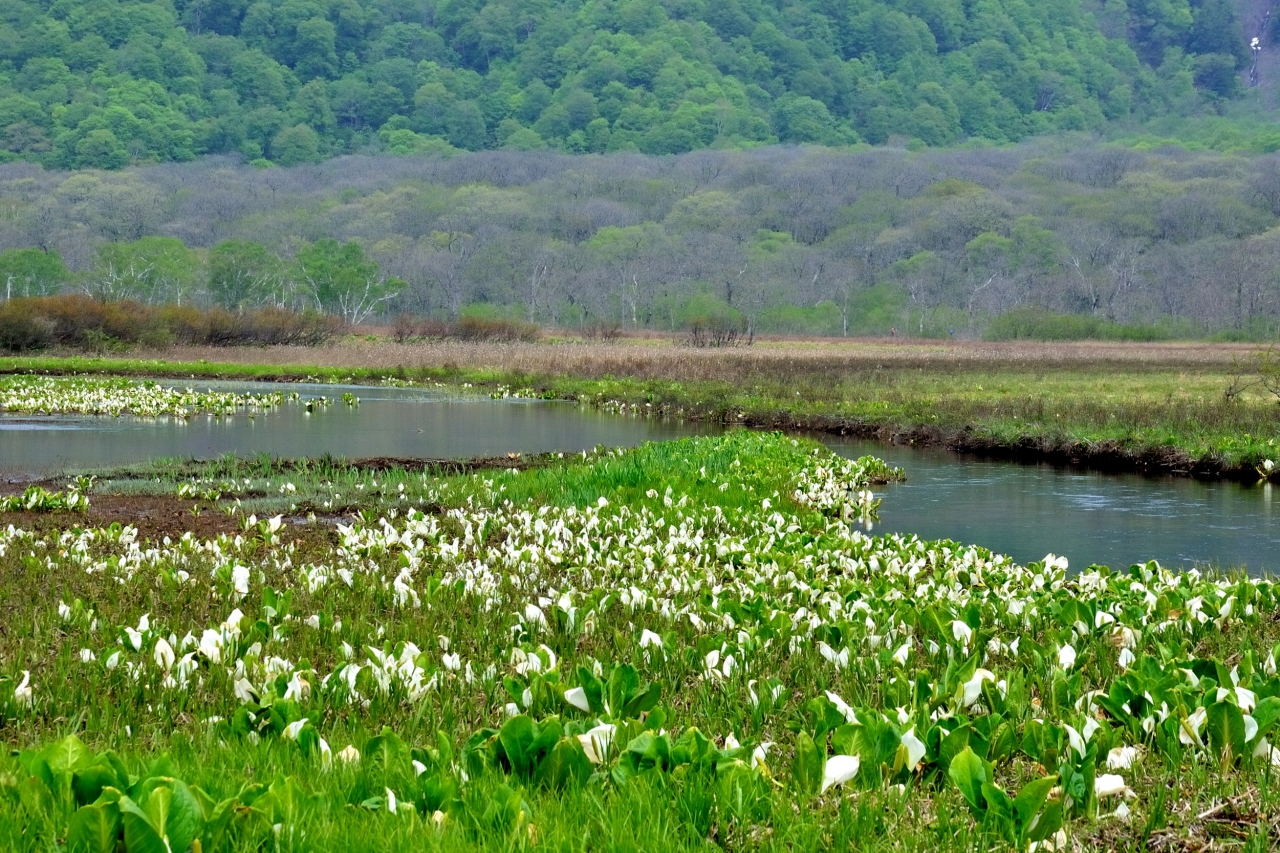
(388, 422)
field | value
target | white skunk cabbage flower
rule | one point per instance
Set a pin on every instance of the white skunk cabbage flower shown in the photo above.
(843, 707)
(903, 652)
(596, 742)
(840, 769)
(973, 687)
(294, 729)
(577, 697)
(164, 655)
(1109, 785)
(23, 693)
(914, 747)
(1122, 757)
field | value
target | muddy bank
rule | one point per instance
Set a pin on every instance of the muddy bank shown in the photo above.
(154, 516)
(159, 516)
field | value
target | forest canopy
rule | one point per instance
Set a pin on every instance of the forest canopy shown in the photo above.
(801, 240)
(108, 83)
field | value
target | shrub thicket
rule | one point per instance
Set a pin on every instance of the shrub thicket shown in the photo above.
(1037, 324)
(81, 322)
(468, 328)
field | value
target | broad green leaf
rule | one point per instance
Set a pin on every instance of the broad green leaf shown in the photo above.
(386, 749)
(694, 748)
(623, 683)
(185, 819)
(592, 686)
(1048, 821)
(89, 781)
(566, 764)
(739, 792)
(1002, 742)
(505, 811)
(515, 739)
(808, 765)
(1030, 800)
(64, 756)
(1225, 728)
(436, 793)
(953, 744)
(1266, 714)
(843, 739)
(36, 797)
(94, 829)
(140, 834)
(968, 772)
(284, 800)
(642, 701)
(999, 806)
(876, 743)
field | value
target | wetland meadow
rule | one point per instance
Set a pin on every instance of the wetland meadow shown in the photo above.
(679, 633)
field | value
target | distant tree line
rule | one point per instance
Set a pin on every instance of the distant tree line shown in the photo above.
(802, 240)
(324, 276)
(108, 83)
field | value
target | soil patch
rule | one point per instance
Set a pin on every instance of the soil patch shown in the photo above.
(154, 516)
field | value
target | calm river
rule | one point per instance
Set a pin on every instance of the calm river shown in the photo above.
(398, 422)
(1028, 511)
(1025, 511)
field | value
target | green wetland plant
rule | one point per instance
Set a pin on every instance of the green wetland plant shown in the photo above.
(39, 499)
(687, 643)
(25, 394)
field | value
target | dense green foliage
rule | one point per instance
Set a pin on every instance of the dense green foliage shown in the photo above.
(1036, 324)
(105, 83)
(675, 647)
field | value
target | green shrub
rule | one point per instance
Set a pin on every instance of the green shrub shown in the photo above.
(1038, 324)
(493, 329)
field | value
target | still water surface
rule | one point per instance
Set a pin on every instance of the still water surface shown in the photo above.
(1026, 511)
(397, 422)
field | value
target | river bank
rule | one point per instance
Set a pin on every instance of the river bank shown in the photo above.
(1155, 409)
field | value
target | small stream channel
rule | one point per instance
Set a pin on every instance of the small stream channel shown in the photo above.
(1026, 511)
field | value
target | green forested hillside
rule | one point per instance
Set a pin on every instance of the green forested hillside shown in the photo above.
(105, 83)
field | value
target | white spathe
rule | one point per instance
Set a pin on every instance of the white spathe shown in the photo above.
(840, 769)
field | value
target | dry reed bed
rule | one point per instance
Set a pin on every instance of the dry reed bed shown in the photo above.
(769, 360)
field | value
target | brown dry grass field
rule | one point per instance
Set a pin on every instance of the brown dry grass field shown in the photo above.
(658, 358)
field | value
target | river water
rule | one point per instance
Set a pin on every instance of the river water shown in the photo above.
(395, 422)
(1026, 511)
